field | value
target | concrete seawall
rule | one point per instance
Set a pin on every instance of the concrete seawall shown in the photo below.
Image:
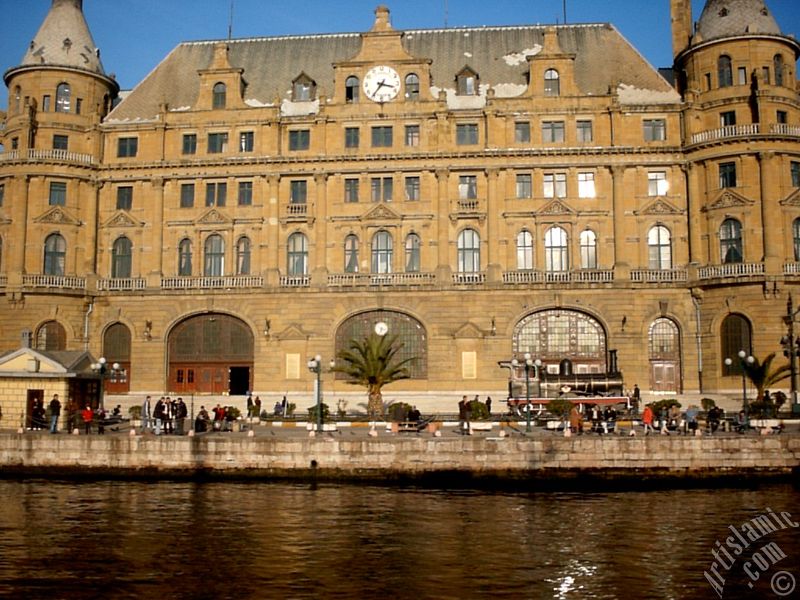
(398, 458)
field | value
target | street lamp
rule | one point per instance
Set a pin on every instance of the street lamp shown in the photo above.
(790, 351)
(102, 368)
(315, 366)
(744, 360)
(528, 365)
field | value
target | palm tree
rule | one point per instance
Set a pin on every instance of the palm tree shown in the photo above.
(760, 375)
(373, 363)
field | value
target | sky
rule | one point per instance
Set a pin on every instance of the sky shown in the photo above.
(135, 35)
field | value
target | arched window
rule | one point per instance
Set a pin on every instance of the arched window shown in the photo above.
(413, 245)
(55, 253)
(51, 336)
(659, 248)
(796, 238)
(382, 251)
(552, 84)
(17, 100)
(524, 250)
(351, 86)
(412, 86)
(220, 96)
(736, 335)
(185, 258)
(778, 65)
(243, 256)
(553, 335)
(351, 254)
(297, 255)
(117, 349)
(556, 250)
(730, 241)
(588, 249)
(664, 342)
(214, 255)
(121, 254)
(63, 95)
(469, 251)
(724, 71)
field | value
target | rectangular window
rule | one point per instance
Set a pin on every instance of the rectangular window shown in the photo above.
(299, 139)
(60, 142)
(298, 191)
(351, 190)
(245, 193)
(742, 75)
(586, 187)
(382, 137)
(727, 118)
(187, 195)
(127, 147)
(552, 132)
(524, 185)
(215, 193)
(46, 104)
(78, 105)
(15, 143)
(2, 193)
(727, 175)
(124, 197)
(522, 132)
(351, 137)
(655, 130)
(412, 135)
(412, 188)
(795, 174)
(765, 74)
(707, 78)
(189, 143)
(782, 117)
(467, 187)
(246, 141)
(217, 143)
(58, 193)
(466, 134)
(585, 133)
(382, 188)
(555, 185)
(657, 183)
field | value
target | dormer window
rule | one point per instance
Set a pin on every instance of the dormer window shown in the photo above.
(467, 82)
(63, 98)
(412, 86)
(219, 96)
(303, 89)
(552, 84)
(351, 86)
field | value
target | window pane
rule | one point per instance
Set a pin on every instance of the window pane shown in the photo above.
(58, 193)
(412, 188)
(586, 187)
(190, 143)
(124, 198)
(413, 253)
(187, 195)
(245, 193)
(524, 250)
(522, 132)
(524, 185)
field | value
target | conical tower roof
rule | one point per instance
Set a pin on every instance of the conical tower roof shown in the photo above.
(727, 18)
(64, 40)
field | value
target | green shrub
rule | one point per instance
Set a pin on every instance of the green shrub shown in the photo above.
(559, 407)
(707, 404)
(478, 411)
(665, 404)
(312, 413)
(398, 411)
(135, 412)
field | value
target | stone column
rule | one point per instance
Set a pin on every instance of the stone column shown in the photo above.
(156, 262)
(771, 214)
(91, 234)
(494, 266)
(622, 270)
(442, 210)
(319, 274)
(19, 229)
(272, 269)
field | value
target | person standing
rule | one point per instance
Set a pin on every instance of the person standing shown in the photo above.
(647, 419)
(146, 413)
(158, 415)
(249, 405)
(55, 411)
(489, 405)
(462, 414)
(180, 415)
(87, 415)
(72, 415)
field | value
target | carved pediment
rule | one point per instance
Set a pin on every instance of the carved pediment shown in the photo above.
(469, 331)
(381, 212)
(123, 219)
(293, 332)
(58, 215)
(728, 199)
(214, 217)
(792, 200)
(556, 207)
(660, 207)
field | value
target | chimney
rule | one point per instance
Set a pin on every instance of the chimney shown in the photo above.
(27, 338)
(76, 3)
(681, 15)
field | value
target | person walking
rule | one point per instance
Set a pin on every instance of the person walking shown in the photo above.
(55, 411)
(87, 415)
(647, 419)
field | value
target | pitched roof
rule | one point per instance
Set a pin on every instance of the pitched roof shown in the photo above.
(725, 18)
(604, 58)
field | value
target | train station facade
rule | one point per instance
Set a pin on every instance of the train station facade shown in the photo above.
(481, 193)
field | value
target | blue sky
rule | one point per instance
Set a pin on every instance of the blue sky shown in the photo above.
(135, 35)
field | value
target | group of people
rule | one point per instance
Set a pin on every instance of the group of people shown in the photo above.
(253, 406)
(166, 416)
(465, 407)
(223, 418)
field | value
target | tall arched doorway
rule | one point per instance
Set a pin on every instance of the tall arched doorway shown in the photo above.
(211, 353)
(664, 342)
(117, 349)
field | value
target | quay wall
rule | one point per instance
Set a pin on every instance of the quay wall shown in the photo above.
(390, 457)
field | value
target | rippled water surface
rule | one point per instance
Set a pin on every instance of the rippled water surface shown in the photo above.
(265, 540)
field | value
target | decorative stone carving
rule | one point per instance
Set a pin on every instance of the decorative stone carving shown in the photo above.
(214, 217)
(380, 213)
(728, 199)
(557, 207)
(660, 207)
(58, 216)
(123, 219)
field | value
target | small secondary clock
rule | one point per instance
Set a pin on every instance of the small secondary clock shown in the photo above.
(381, 328)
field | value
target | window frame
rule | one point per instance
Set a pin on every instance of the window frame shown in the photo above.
(351, 190)
(297, 254)
(189, 144)
(522, 132)
(121, 258)
(381, 188)
(468, 251)
(412, 185)
(412, 135)
(467, 187)
(352, 137)
(553, 132)
(217, 142)
(214, 256)
(63, 98)
(60, 142)
(244, 194)
(556, 250)
(657, 184)
(185, 258)
(724, 71)
(587, 187)
(243, 255)
(382, 252)
(554, 185)
(731, 241)
(523, 186)
(552, 83)
(216, 193)
(127, 147)
(351, 262)
(588, 249)
(299, 140)
(524, 247)
(413, 250)
(55, 255)
(298, 191)
(187, 195)
(583, 126)
(659, 248)
(727, 175)
(247, 141)
(352, 86)
(58, 193)
(654, 130)
(382, 136)
(124, 197)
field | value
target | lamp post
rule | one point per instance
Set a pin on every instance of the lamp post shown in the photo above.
(528, 365)
(790, 351)
(104, 371)
(744, 359)
(315, 366)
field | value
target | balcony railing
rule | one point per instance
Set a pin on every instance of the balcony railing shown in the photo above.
(3, 281)
(470, 205)
(297, 210)
(792, 268)
(522, 277)
(593, 276)
(659, 275)
(730, 270)
(376, 279)
(579, 276)
(735, 131)
(212, 283)
(51, 155)
(469, 278)
(295, 281)
(54, 281)
(121, 284)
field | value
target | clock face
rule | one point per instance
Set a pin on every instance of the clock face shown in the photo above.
(381, 84)
(381, 328)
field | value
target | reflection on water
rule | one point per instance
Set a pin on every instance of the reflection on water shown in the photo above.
(262, 540)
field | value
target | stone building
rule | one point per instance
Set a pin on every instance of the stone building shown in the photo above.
(481, 193)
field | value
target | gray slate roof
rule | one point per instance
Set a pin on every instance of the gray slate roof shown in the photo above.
(604, 58)
(725, 18)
